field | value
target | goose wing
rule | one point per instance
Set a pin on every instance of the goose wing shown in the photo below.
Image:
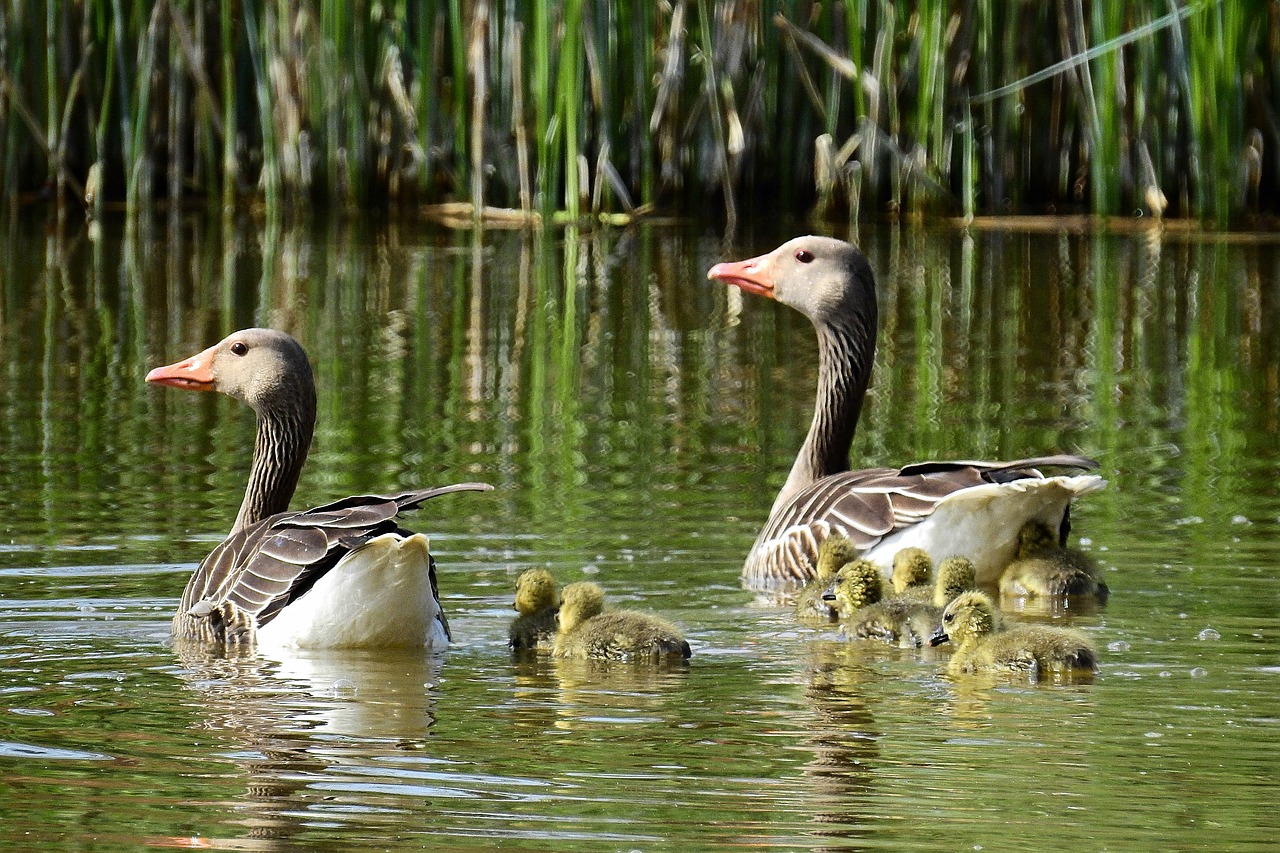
(250, 576)
(870, 504)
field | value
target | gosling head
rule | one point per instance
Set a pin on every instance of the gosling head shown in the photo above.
(911, 567)
(834, 552)
(955, 575)
(1035, 536)
(535, 591)
(971, 616)
(857, 585)
(579, 602)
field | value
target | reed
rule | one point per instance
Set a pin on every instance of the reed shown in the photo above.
(585, 109)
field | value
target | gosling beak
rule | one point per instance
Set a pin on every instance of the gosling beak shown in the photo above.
(828, 596)
(938, 639)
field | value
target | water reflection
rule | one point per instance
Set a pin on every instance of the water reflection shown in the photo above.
(638, 421)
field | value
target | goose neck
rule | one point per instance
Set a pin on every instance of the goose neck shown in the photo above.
(280, 450)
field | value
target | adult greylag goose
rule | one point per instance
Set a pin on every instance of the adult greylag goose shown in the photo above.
(966, 508)
(340, 575)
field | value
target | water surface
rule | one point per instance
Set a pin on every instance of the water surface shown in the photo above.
(637, 421)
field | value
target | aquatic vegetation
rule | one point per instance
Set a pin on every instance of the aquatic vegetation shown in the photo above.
(569, 108)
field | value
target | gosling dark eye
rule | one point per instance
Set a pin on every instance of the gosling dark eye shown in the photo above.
(804, 256)
(239, 348)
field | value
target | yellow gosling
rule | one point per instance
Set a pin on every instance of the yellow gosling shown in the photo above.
(910, 619)
(537, 599)
(1044, 569)
(587, 630)
(972, 624)
(955, 575)
(857, 584)
(834, 552)
(912, 570)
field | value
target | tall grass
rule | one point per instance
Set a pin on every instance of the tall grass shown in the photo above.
(586, 108)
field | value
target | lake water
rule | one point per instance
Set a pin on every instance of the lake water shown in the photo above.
(636, 420)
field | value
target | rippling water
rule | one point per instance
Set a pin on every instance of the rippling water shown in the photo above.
(636, 420)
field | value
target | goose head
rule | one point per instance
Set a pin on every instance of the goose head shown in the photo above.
(955, 575)
(578, 603)
(535, 591)
(969, 618)
(265, 368)
(911, 567)
(835, 551)
(857, 585)
(820, 277)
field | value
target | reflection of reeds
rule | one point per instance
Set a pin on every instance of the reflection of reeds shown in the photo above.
(612, 106)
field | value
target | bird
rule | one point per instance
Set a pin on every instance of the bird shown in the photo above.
(834, 552)
(1045, 569)
(911, 616)
(968, 508)
(857, 585)
(912, 571)
(341, 575)
(972, 624)
(588, 630)
(536, 603)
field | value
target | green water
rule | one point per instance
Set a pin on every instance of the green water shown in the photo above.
(636, 420)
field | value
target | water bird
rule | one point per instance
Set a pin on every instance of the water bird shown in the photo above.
(537, 600)
(341, 575)
(912, 616)
(973, 509)
(972, 624)
(834, 552)
(857, 585)
(1046, 569)
(589, 630)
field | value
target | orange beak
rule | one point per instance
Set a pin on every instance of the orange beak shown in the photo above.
(193, 374)
(752, 275)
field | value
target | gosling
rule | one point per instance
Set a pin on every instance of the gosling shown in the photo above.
(1044, 569)
(537, 599)
(834, 552)
(972, 624)
(587, 630)
(857, 585)
(911, 618)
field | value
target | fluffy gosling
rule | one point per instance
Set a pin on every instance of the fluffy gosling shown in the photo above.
(587, 630)
(1044, 569)
(912, 617)
(834, 552)
(972, 624)
(537, 599)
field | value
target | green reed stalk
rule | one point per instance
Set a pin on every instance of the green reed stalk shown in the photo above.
(230, 164)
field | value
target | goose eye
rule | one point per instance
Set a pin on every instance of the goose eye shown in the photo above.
(239, 348)
(804, 256)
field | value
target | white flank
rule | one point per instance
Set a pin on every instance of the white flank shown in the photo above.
(378, 596)
(982, 522)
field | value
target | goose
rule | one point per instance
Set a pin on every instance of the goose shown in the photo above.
(588, 630)
(834, 552)
(1045, 569)
(972, 624)
(913, 615)
(968, 508)
(341, 575)
(537, 600)
(912, 571)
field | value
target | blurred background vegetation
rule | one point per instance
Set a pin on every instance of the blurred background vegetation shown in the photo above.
(846, 108)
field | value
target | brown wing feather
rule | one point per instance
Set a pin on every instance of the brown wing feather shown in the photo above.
(260, 569)
(869, 504)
